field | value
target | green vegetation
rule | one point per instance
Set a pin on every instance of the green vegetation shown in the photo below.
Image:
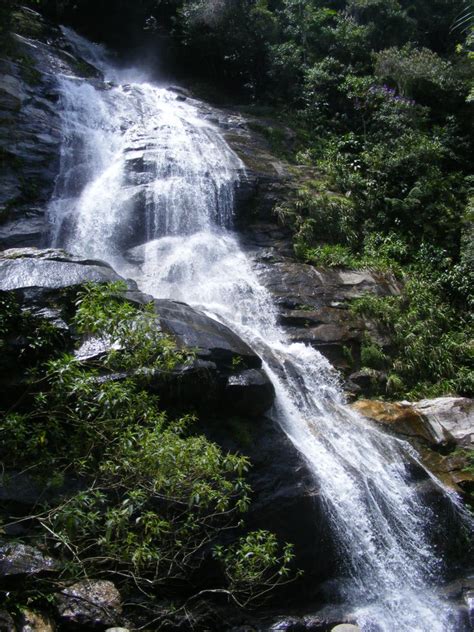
(148, 497)
(433, 350)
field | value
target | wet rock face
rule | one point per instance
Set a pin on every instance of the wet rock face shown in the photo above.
(267, 179)
(286, 498)
(210, 339)
(30, 126)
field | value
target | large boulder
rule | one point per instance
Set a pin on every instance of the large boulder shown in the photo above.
(224, 375)
(90, 605)
(26, 269)
(452, 417)
(210, 339)
(440, 422)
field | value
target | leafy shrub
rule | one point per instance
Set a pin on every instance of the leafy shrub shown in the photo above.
(328, 256)
(150, 495)
(434, 354)
(413, 69)
(253, 566)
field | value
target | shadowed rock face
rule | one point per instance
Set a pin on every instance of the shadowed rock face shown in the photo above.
(286, 497)
(89, 604)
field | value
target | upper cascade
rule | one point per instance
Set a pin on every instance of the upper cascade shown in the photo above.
(138, 163)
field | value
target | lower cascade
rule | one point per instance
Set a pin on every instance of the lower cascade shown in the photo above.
(147, 183)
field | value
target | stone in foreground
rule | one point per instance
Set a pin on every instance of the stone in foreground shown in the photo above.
(90, 604)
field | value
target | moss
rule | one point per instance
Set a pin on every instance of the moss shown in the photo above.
(275, 136)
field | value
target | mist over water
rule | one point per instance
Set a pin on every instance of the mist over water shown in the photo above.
(147, 184)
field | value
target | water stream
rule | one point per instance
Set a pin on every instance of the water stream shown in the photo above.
(147, 183)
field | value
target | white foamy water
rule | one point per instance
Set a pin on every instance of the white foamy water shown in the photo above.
(148, 185)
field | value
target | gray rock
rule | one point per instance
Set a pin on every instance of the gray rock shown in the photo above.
(449, 417)
(90, 603)
(21, 492)
(23, 268)
(368, 382)
(288, 624)
(210, 339)
(314, 304)
(346, 627)
(20, 560)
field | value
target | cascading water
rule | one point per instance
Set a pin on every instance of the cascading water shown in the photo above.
(147, 184)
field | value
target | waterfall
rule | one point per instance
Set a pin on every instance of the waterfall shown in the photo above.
(147, 183)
